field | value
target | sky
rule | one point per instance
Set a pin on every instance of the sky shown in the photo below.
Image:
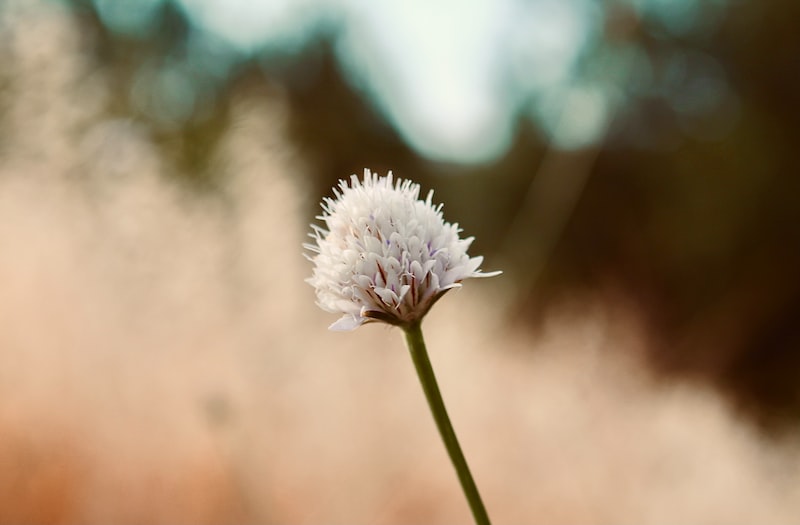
(451, 76)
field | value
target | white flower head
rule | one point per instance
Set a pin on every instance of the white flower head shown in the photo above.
(386, 255)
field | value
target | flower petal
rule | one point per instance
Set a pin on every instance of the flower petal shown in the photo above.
(384, 254)
(346, 323)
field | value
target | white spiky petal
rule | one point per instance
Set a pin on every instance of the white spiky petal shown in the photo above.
(386, 255)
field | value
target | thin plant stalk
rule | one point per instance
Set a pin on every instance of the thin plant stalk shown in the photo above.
(419, 354)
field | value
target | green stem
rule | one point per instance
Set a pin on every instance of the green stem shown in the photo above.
(416, 345)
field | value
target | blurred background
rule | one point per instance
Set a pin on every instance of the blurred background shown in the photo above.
(631, 165)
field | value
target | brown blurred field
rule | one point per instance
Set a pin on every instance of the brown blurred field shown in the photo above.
(162, 361)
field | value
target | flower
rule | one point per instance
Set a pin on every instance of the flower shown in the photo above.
(386, 255)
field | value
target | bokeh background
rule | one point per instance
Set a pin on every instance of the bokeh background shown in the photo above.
(631, 165)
